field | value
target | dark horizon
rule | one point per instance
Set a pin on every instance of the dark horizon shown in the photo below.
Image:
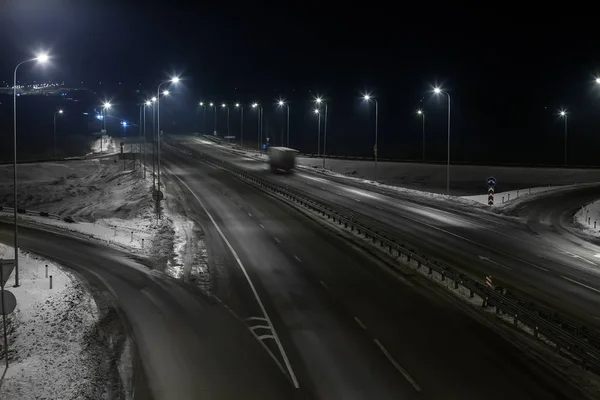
(507, 82)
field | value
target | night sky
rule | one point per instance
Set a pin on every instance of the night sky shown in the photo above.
(507, 79)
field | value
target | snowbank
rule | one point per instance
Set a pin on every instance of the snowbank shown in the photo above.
(501, 198)
(53, 351)
(588, 219)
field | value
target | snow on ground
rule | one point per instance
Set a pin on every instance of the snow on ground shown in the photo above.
(464, 179)
(501, 198)
(110, 204)
(53, 349)
(588, 219)
(107, 145)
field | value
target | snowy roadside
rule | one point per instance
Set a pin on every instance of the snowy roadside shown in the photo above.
(112, 205)
(587, 219)
(57, 348)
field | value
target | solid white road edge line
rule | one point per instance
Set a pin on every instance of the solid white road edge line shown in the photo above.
(581, 284)
(398, 366)
(254, 292)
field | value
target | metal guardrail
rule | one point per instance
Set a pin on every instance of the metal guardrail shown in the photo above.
(581, 343)
(30, 212)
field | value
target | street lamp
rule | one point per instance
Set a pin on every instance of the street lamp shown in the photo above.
(56, 112)
(563, 114)
(422, 114)
(41, 58)
(223, 105)
(320, 101)
(282, 103)
(201, 104)
(173, 80)
(318, 114)
(598, 80)
(105, 106)
(259, 126)
(368, 98)
(438, 91)
(237, 105)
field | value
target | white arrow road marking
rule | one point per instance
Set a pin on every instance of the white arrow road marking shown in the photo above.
(493, 262)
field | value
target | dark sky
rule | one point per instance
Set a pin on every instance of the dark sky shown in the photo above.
(507, 75)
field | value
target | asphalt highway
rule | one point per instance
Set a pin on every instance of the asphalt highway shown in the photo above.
(349, 328)
(190, 347)
(560, 273)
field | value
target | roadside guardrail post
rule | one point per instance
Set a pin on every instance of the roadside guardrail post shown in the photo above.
(50, 281)
(46, 270)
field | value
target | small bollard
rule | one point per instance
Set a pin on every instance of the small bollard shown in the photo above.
(508, 197)
(594, 224)
(132, 236)
(529, 190)
(50, 281)
(517, 194)
(46, 270)
(589, 219)
(115, 231)
(142, 243)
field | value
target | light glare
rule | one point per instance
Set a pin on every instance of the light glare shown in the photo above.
(316, 111)
(60, 111)
(437, 90)
(281, 103)
(237, 104)
(598, 80)
(42, 57)
(165, 93)
(211, 104)
(319, 100)
(563, 113)
(148, 103)
(153, 99)
(367, 97)
(175, 79)
(420, 112)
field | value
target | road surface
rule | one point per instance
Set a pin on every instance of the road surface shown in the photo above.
(350, 328)
(190, 347)
(559, 274)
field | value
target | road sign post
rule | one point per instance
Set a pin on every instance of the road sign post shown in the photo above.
(491, 182)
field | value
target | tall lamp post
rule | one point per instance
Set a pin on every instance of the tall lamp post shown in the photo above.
(147, 104)
(201, 104)
(282, 103)
(166, 93)
(320, 101)
(105, 106)
(41, 58)
(237, 105)
(367, 97)
(563, 114)
(438, 91)
(318, 113)
(223, 105)
(259, 124)
(153, 99)
(214, 106)
(58, 112)
(422, 115)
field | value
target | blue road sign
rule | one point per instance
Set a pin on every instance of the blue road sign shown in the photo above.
(491, 181)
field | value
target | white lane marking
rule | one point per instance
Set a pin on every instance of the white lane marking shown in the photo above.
(254, 292)
(324, 285)
(297, 258)
(581, 284)
(277, 239)
(250, 215)
(597, 255)
(398, 366)
(493, 262)
(262, 226)
(356, 199)
(359, 322)
(578, 256)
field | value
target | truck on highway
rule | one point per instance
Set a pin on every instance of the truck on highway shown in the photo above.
(282, 159)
